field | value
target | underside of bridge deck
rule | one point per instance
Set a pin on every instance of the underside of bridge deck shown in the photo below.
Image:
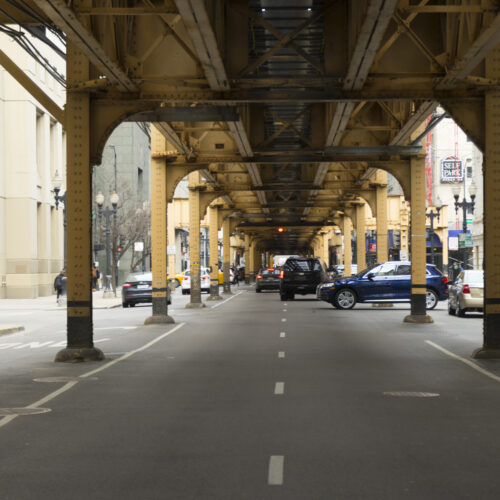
(288, 109)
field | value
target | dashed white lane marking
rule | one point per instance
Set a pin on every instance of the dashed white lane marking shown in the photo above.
(284, 310)
(283, 320)
(282, 335)
(275, 472)
(281, 354)
(465, 361)
(285, 304)
(69, 385)
(279, 388)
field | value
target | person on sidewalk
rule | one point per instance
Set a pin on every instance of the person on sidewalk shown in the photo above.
(59, 283)
(95, 276)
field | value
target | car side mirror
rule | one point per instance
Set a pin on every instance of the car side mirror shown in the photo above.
(370, 276)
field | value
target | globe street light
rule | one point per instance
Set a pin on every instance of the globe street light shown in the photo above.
(107, 212)
(432, 215)
(57, 184)
(465, 206)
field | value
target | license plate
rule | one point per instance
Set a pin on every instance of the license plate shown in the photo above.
(142, 287)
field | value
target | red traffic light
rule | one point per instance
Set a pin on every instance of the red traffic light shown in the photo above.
(281, 229)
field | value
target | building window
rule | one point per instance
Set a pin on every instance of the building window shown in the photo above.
(140, 181)
(469, 171)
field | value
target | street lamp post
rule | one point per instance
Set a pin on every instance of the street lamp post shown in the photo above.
(432, 215)
(107, 212)
(57, 183)
(464, 205)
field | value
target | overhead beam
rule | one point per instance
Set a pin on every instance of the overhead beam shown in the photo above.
(188, 114)
(66, 19)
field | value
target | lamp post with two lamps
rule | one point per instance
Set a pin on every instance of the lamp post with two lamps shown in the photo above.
(107, 212)
(433, 215)
(57, 184)
(465, 206)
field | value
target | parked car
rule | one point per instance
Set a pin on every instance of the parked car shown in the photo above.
(204, 281)
(338, 270)
(138, 288)
(466, 293)
(386, 282)
(301, 275)
(267, 279)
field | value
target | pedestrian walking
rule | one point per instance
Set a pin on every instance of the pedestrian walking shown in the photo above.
(59, 284)
(95, 276)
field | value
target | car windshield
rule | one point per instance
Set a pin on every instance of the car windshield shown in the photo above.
(135, 277)
(474, 276)
(366, 271)
(303, 265)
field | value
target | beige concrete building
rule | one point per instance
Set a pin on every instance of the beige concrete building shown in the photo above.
(32, 152)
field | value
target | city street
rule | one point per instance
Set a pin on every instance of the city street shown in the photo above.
(250, 398)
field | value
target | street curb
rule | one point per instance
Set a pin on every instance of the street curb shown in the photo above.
(11, 329)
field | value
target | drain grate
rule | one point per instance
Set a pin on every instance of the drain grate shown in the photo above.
(6, 412)
(407, 394)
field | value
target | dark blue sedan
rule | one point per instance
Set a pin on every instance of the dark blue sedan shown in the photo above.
(386, 282)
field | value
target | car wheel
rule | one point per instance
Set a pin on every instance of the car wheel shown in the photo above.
(184, 292)
(460, 311)
(431, 299)
(291, 296)
(345, 299)
(283, 297)
(132, 304)
(125, 304)
(451, 311)
(258, 290)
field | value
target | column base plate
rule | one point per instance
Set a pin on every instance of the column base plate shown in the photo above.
(159, 319)
(418, 318)
(79, 354)
(486, 353)
(195, 305)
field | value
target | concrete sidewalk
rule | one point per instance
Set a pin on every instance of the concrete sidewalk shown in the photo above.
(49, 303)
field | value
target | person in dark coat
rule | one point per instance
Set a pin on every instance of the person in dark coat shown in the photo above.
(59, 283)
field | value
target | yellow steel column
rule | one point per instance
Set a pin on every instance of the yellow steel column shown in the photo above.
(347, 230)
(171, 251)
(226, 254)
(194, 240)
(80, 345)
(158, 231)
(418, 250)
(491, 170)
(213, 214)
(252, 273)
(326, 249)
(360, 237)
(382, 233)
(247, 258)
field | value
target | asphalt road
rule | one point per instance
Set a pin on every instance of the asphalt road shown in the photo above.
(253, 399)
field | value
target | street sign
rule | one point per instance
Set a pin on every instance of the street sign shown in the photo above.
(465, 241)
(469, 220)
(139, 246)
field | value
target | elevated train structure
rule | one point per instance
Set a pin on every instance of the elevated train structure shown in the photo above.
(281, 112)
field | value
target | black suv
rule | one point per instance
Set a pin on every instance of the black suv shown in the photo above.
(301, 275)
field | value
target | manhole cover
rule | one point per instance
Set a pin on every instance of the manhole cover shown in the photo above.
(406, 394)
(63, 379)
(5, 412)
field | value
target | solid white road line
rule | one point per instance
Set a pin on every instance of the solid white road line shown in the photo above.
(279, 388)
(275, 472)
(282, 335)
(69, 385)
(227, 300)
(465, 361)
(281, 354)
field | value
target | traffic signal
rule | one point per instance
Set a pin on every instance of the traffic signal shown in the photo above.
(119, 248)
(281, 229)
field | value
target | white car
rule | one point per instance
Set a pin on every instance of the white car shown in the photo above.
(204, 281)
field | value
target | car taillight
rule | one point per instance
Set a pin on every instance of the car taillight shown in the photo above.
(445, 280)
(205, 278)
(466, 289)
(259, 276)
(282, 274)
(185, 278)
(126, 285)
